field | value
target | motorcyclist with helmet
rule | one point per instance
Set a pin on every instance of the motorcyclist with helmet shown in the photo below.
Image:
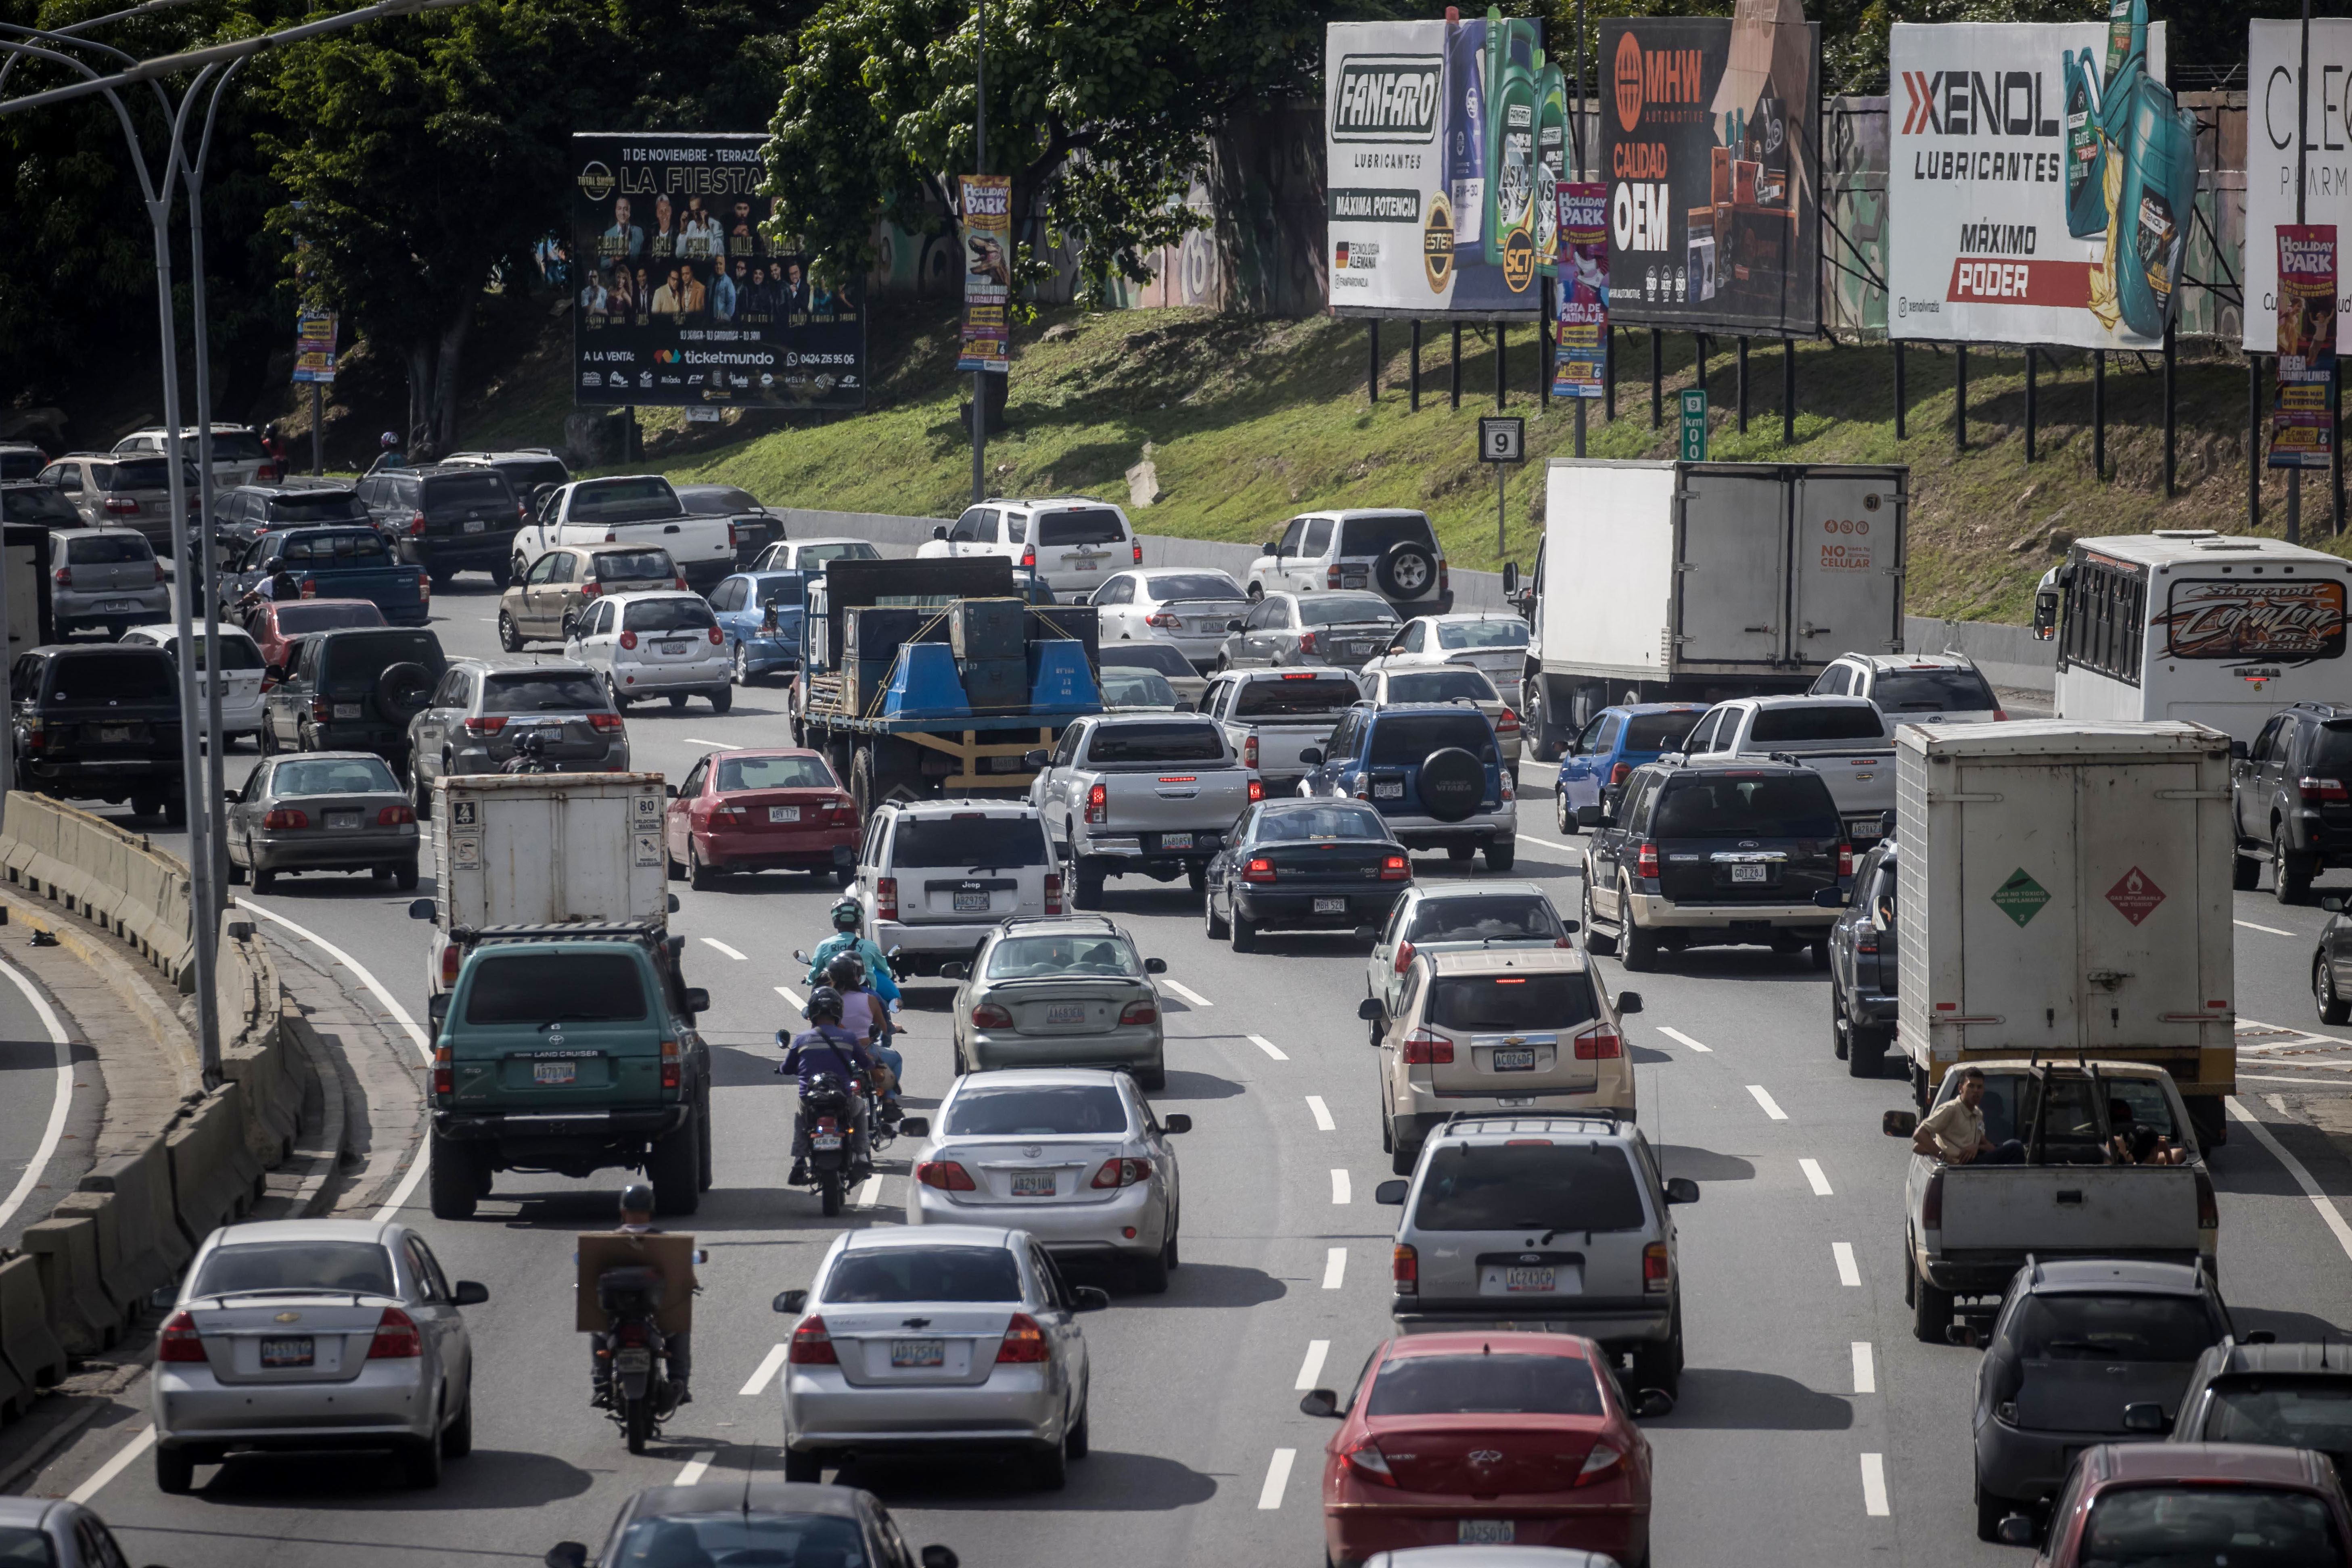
(862, 1015)
(637, 1219)
(846, 915)
(826, 1048)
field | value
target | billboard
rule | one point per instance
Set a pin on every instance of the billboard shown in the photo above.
(2273, 50)
(1580, 335)
(1710, 142)
(2040, 182)
(1443, 141)
(987, 272)
(683, 300)
(2302, 406)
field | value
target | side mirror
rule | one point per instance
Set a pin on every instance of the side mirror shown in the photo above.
(276, 672)
(1899, 1123)
(789, 1301)
(1392, 1193)
(1234, 626)
(1322, 1404)
(1510, 576)
(955, 969)
(702, 1254)
(471, 1293)
(1312, 756)
(940, 532)
(2015, 1531)
(1590, 816)
(1652, 1402)
(670, 790)
(1681, 1190)
(2147, 1417)
(2045, 615)
(1572, 926)
(673, 903)
(1269, 549)
(915, 1127)
(938, 1557)
(2332, 902)
(567, 1555)
(231, 795)
(798, 956)
(164, 1298)
(1960, 1335)
(1174, 1124)
(1886, 824)
(1370, 1010)
(1089, 1299)
(1628, 1001)
(2239, 750)
(1035, 762)
(1155, 966)
(698, 1000)
(436, 1010)
(2259, 1337)
(1829, 898)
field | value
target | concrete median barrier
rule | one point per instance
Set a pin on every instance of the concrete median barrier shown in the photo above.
(27, 1344)
(105, 874)
(119, 1293)
(64, 1248)
(213, 1174)
(146, 1221)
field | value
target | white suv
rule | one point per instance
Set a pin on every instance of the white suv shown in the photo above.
(1393, 553)
(1914, 689)
(238, 457)
(655, 645)
(1073, 542)
(935, 876)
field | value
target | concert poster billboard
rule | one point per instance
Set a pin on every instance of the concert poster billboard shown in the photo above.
(987, 273)
(2275, 53)
(683, 300)
(1710, 143)
(1581, 335)
(2303, 410)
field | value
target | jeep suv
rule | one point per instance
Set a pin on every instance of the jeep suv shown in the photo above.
(100, 723)
(1863, 967)
(937, 878)
(453, 517)
(354, 689)
(2291, 799)
(1433, 770)
(1392, 553)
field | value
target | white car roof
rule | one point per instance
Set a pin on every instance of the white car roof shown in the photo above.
(1885, 662)
(1800, 699)
(1043, 1077)
(826, 539)
(899, 1236)
(284, 1230)
(1477, 889)
(653, 594)
(166, 632)
(1005, 808)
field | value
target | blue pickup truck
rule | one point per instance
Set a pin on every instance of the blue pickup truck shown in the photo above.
(338, 562)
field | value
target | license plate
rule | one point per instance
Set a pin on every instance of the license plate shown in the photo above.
(672, 647)
(343, 819)
(1750, 874)
(285, 1352)
(555, 1072)
(1388, 792)
(826, 1140)
(783, 813)
(1065, 1011)
(114, 734)
(1486, 1533)
(633, 1361)
(1520, 1060)
(1175, 841)
(347, 709)
(105, 605)
(1352, 579)
(918, 1353)
(971, 903)
(1033, 1183)
(475, 525)
(1330, 906)
(1529, 1279)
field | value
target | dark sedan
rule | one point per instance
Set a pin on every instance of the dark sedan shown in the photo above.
(2252, 1391)
(1863, 964)
(1304, 864)
(754, 1521)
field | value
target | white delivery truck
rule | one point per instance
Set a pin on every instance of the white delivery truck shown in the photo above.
(539, 850)
(2063, 893)
(1663, 581)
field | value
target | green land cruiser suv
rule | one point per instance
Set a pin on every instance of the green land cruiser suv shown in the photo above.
(569, 1050)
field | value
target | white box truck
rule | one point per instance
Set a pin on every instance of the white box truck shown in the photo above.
(2064, 890)
(1694, 582)
(540, 850)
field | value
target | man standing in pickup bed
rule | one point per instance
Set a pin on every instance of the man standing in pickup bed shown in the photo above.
(1954, 1132)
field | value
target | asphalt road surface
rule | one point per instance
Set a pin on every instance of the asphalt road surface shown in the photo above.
(1812, 1427)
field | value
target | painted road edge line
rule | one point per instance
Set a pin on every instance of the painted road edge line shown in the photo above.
(769, 1365)
(2328, 1212)
(2272, 931)
(1311, 1368)
(1849, 1274)
(1682, 1039)
(1873, 1485)
(1268, 1047)
(1186, 992)
(1772, 1107)
(112, 1468)
(1340, 1193)
(61, 1099)
(1821, 1184)
(1322, 1114)
(695, 1466)
(714, 941)
(1335, 1267)
(1865, 1368)
(1277, 1476)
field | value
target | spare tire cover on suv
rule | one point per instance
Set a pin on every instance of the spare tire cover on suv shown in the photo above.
(1406, 570)
(1453, 783)
(402, 692)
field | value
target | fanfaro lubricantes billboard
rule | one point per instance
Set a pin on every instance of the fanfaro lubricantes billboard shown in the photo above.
(1710, 144)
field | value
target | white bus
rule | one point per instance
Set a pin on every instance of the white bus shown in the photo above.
(2221, 629)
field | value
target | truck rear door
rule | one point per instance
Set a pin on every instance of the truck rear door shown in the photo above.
(2070, 1210)
(1731, 559)
(1846, 566)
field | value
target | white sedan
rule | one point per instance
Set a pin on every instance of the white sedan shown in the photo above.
(1493, 641)
(811, 555)
(1188, 608)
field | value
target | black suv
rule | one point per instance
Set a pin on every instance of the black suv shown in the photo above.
(451, 517)
(100, 723)
(244, 514)
(354, 689)
(2291, 799)
(1729, 850)
(1863, 962)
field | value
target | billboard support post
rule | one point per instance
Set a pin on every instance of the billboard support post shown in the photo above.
(980, 167)
(317, 435)
(1580, 438)
(1609, 374)
(1501, 329)
(1657, 379)
(1456, 366)
(2335, 450)
(1899, 432)
(1743, 385)
(2033, 360)
(2253, 442)
(1412, 380)
(1788, 392)
(1544, 347)
(2171, 413)
(2099, 415)
(2302, 174)
(1372, 360)
(1960, 400)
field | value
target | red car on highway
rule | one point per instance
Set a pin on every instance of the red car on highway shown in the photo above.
(2164, 1503)
(778, 810)
(275, 626)
(1519, 1439)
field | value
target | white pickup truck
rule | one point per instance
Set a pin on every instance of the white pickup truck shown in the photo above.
(2065, 1192)
(1271, 716)
(633, 509)
(1142, 792)
(1846, 740)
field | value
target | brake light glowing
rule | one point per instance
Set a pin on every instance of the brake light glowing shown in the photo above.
(178, 1340)
(1098, 807)
(1656, 1272)
(415, 524)
(1645, 863)
(395, 815)
(1426, 1047)
(991, 1016)
(489, 724)
(285, 818)
(1396, 869)
(1122, 1173)
(1599, 1044)
(1053, 893)
(1029, 556)
(946, 1176)
(1138, 546)
(1023, 1342)
(1259, 870)
(1307, 639)
(886, 898)
(1405, 1269)
(812, 1345)
(589, 590)
(1257, 790)
(396, 1338)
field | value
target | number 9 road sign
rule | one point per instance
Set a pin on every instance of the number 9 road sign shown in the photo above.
(1502, 439)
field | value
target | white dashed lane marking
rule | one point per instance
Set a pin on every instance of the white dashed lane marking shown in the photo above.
(793, 997)
(1873, 1485)
(1186, 992)
(1772, 1107)
(1865, 1368)
(1848, 1273)
(1312, 1367)
(1321, 1112)
(2272, 931)
(1268, 1047)
(1821, 1184)
(714, 941)
(768, 1366)
(696, 1466)
(1277, 1476)
(1340, 1193)
(1335, 1267)
(1682, 1039)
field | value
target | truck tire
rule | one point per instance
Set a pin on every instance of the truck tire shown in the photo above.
(706, 1169)
(1660, 1366)
(861, 784)
(1841, 1027)
(1214, 927)
(454, 1187)
(1245, 932)
(722, 699)
(1594, 942)
(675, 1165)
(2290, 874)
(1865, 1051)
(1405, 570)
(1086, 883)
(1931, 1310)
(501, 577)
(1500, 853)
(1641, 946)
(2210, 1120)
(402, 692)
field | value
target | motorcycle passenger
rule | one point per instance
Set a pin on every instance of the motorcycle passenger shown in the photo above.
(826, 1048)
(879, 977)
(862, 1015)
(637, 1219)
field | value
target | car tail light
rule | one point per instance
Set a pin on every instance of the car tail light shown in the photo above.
(1508, 789)
(1620, 773)
(629, 640)
(1931, 1204)
(1405, 1269)
(1845, 859)
(946, 1176)
(489, 724)
(1865, 941)
(678, 582)
(1139, 1013)
(717, 636)
(1427, 1047)
(121, 505)
(2000, 715)
(285, 816)
(1165, 621)
(671, 1064)
(522, 512)
(450, 959)
(1444, 579)
(1122, 1173)
(1249, 752)
(1656, 1272)
(1029, 556)
(396, 1338)
(1259, 870)
(1024, 1341)
(415, 524)
(1256, 791)
(2323, 789)
(444, 1078)
(1508, 724)
(1599, 1044)
(1307, 640)
(991, 1016)
(1366, 1460)
(1404, 956)
(611, 536)
(395, 816)
(589, 590)
(1098, 807)
(311, 585)
(159, 571)
(734, 538)
(1601, 1465)
(321, 710)
(62, 577)
(1396, 869)
(178, 1340)
(2209, 1213)
(1646, 862)
(886, 898)
(812, 1345)
(1137, 545)
(604, 723)
(1053, 893)
(1331, 578)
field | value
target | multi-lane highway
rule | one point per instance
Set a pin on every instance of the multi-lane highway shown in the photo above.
(1812, 1427)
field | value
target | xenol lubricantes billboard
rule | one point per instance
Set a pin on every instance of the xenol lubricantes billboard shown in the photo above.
(1445, 144)
(2040, 182)
(1710, 142)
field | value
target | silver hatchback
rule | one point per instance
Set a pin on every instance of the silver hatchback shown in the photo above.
(1063, 991)
(484, 710)
(298, 1336)
(105, 578)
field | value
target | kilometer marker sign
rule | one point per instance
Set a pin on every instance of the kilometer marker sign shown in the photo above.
(2136, 897)
(2021, 898)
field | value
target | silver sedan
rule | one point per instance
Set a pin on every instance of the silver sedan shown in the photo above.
(957, 1339)
(303, 1335)
(322, 811)
(57, 1533)
(1059, 992)
(1075, 1157)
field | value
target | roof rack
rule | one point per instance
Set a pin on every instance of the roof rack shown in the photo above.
(1582, 1114)
(1011, 920)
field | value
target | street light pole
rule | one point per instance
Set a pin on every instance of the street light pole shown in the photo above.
(2302, 173)
(980, 167)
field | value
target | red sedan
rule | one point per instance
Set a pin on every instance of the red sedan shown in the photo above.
(761, 811)
(275, 626)
(1504, 1438)
(2167, 1503)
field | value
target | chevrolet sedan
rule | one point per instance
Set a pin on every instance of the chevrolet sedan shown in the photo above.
(1059, 992)
(322, 811)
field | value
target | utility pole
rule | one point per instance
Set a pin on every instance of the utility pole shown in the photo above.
(979, 377)
(1575, 141)
(2302, 173)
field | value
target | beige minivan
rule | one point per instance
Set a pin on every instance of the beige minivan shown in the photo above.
(1518, 1028)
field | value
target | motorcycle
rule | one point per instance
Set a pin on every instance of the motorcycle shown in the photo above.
(825, 1114)
(638, 1376)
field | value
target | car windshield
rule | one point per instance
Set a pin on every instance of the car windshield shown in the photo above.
(1404, 740)
(37, 504)
(1166, 588)
(668, 616)
(233, 445)
(972, 840)
(715, 500)
(1181, 742)
(237, 651)
(21, 1546)
(481, 488)
(1296, 694)
(2281, 1412)
(775, 773)
(294, 619)
(1486, 1385)
(361, 657)
(339, 776)
(2070, 1326)
(1373, 535)
(1509, 917)
(1137, 689)
(1932, 691)
(362, 1265)
(1660, 731)
(543, 691)
(543, 987)
(1500, 631)
(1837, 722)
(1159, 656)
(622, 501)
(350, 545)
(317, 506)
(1442, 685)
(1080, 957)
(1037, 1110)
(1299, 825)
(1510, 1004)
(147, 474)
(2179, 1526)
(853, 549)
(708, 1540)
(143, 676)
(108, 550)
(1343, 609)
(2332, 746)
(1533, 1188)
(1079, 525)
(922, 1274)
(1778, 805)
(632, 566)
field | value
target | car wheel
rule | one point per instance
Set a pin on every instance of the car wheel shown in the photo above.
(1243, 932)
(1991, 1511)
(1931, 1310)
(1594, 942)
(1458, 852)
(741, 673)
(1840, 1027)
(420, 791)
(700, 875)
(1196, 877)
(2290, 874)
(1562, 817)
(721, 701)
(1865, 1051)
(1079, 1440)
(676, 1167)
(675, 872)
(501, 577)
(1217, 928)
(420, 1465)
(175, 1470)
(806, 1468)
(450, 1179)
(2333, 1008)
(457, 1437)
(707, 1169)
(1051, 1467)
(1641, 946)
(264, 881)
(403, 874)
(1153, 1079)
(1501, 852)
(1660, 1366)
(2245, 872)
(1821, 946)
(1150, 1274)
(509, 639)
(266, 741)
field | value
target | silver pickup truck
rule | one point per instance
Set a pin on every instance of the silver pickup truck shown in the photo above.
(1271, 716)
(2068, 1190)
(1139, 793)
(1846, 740)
